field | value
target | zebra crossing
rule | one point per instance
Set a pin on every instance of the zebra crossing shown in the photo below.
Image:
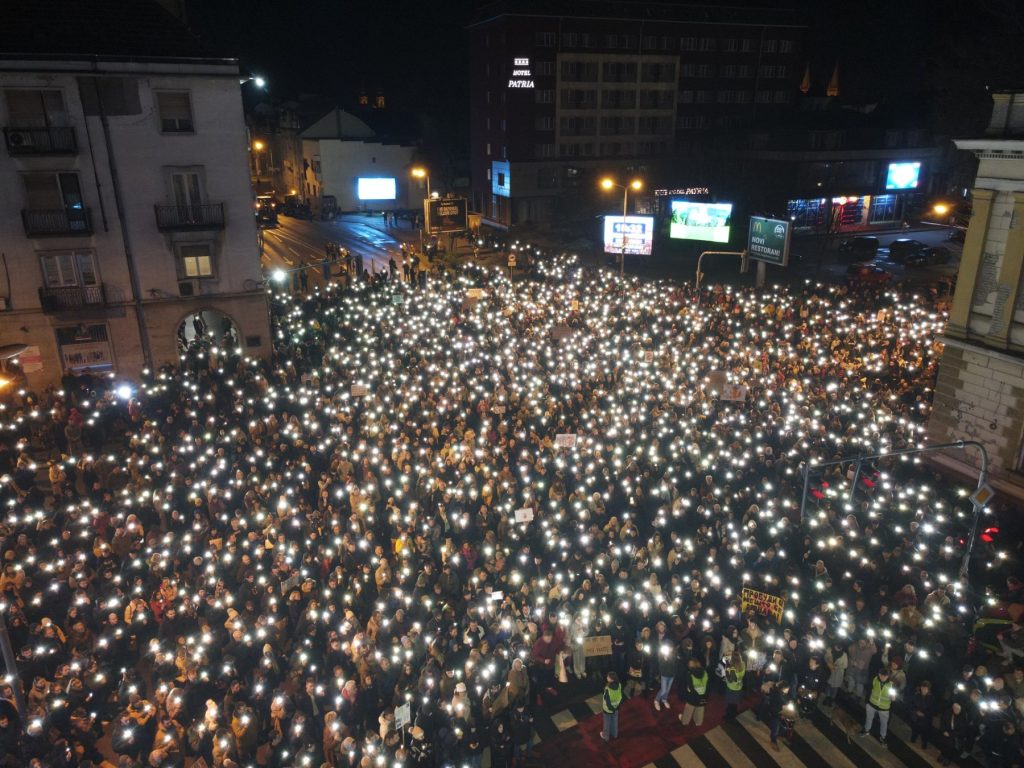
(822, 741)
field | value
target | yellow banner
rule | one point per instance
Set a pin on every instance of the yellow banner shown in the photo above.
(762, 602)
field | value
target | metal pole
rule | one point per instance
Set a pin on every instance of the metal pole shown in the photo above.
(622, 256)
(969, 549)
(807, 482)
(856, 479)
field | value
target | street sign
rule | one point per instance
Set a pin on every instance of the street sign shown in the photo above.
(982, 496)
(768, 240)
(447, 214)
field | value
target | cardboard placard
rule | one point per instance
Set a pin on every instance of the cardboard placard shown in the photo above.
(566, 440)
(598, 645)
(733, 392)
(498, 409)
(762, 603)
(524, 515)
(403, 716)
(497, 596)
(648, 356)
(358, 390)
(560, 331)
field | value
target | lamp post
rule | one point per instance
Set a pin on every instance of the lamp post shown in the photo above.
(636, 185)
(422, 173)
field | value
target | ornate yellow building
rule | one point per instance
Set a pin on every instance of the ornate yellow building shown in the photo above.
(980, 389)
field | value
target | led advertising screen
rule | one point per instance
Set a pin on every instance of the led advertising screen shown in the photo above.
(636, 232)
(700, 221)
(903, 176)
(376, 188)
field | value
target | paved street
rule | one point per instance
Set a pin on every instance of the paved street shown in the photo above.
(295, 242)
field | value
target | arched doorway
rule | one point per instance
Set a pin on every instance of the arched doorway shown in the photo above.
(206, 329)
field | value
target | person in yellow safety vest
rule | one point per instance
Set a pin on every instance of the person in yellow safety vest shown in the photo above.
(879, 702)
(733, 671)
(610, 702)
(695, 694)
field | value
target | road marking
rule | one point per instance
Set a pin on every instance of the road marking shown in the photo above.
(686, 757)
(727, 748)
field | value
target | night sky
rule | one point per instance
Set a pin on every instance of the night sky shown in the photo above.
(931, 55)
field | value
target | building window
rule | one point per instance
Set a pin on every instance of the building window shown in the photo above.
(545, 67)
(769, 46)
(545, 123)
(785, 46)
(619, 72)
(746, 45)
(618, 126)
(782, 97)
(487, 97)
(33, 108)
(585, 40)
(569, 39)
(705, 70)
(579, 71)
(195, 260)
(658, 73)
(543, 150)
(175, 110)
(730, 45)
(578, 98)
(547, 177)
(569, 150)
(686, 97)
(764, 97)
(650, 42)
(546, 39)
(667, 43)
(688, 44)
(69, 269)
(655, 99)
(629, 42)
(707, 44)
(618, 99)
(488, 149)
(544, 96)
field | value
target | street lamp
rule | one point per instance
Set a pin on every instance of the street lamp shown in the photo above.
(421, 173)
(636, 185)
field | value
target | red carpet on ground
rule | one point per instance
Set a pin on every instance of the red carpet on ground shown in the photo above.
(644, 735)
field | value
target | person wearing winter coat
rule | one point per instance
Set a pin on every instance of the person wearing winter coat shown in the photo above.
(837, 660)
(668, 664)
(953, 731)
(695, 693)
(860, 654)
(920, 709)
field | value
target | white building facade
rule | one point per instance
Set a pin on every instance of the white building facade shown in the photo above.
(980, 390)
(125, 209)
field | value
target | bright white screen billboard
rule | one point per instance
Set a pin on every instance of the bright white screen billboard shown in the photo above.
(636, 232)
(376, 188)
(700, 221)
(903, 176)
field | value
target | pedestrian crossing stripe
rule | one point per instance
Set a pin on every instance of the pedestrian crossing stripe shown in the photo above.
(818, 742)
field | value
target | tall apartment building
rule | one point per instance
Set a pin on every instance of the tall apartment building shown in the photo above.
(125, 200)
(562, 91)
(979, 394)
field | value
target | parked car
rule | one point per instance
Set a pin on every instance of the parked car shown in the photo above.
(861, 248)
(868, 274)
(900, 249)
(957, 235)
(932, 255)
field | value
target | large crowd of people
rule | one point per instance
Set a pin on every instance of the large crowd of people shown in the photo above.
(389, 544)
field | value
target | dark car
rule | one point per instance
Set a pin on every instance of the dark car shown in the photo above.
(931, 255)
(867, 274)
(861, 248)
(900, 249)
(957, 235)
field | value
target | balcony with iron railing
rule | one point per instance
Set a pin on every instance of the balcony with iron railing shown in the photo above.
(47, 222)
(26, 142)
(72, 298)
(171, 218)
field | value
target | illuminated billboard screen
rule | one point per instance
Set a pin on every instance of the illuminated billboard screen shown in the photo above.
(635, 232)
(903, 176)
(700, 221)
(376, 188)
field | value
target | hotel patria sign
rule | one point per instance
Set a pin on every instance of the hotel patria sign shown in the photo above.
(522, 76)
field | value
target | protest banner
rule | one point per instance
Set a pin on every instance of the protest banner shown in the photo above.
(566, 440)
(358, 390)
(733, 392)
(598, 645)
(762, 603)
(524, 515)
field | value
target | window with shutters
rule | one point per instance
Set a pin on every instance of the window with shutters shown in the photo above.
(195, 260)
(35, 108)
(175, 110)
(785, 46)
(69, 269)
